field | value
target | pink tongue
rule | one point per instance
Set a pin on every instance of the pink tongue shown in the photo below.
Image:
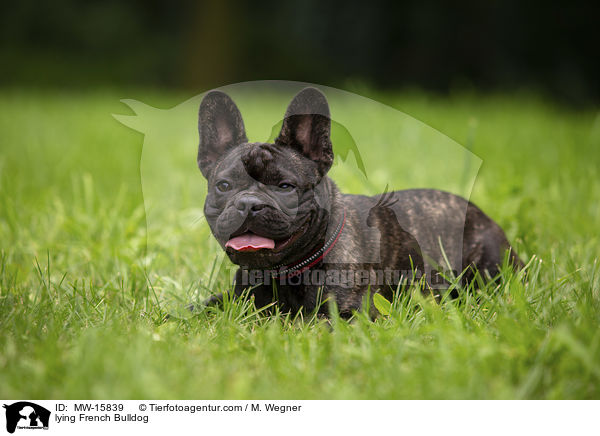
(250, 242)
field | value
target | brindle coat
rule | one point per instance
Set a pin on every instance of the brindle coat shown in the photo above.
(413, 231)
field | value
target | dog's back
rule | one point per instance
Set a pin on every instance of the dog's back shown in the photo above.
(427, 230)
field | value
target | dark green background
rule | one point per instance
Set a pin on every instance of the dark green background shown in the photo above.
(441, 46)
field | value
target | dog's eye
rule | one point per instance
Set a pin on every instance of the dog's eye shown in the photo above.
(223, 186)
(286, 186)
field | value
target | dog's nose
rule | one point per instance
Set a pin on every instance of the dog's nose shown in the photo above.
(249, 204)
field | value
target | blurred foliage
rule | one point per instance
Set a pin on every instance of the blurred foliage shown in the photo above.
(199, 45)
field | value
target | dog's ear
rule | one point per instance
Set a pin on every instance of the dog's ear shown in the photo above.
(221, 128)
(307, 128)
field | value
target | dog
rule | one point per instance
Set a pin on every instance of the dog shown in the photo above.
(299, 241)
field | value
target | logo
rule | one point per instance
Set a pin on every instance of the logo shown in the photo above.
(26, 415)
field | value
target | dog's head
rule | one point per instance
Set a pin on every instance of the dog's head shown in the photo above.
(264, 200)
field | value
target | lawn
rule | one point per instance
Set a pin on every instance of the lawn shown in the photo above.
(101, 235)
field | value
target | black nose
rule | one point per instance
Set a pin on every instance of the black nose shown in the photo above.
(249, 204)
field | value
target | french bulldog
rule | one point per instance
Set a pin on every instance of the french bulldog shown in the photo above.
(299, 241)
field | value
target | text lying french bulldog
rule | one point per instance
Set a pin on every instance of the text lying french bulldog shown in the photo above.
(297, 239)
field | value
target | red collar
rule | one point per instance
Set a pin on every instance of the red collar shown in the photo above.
(296, 268)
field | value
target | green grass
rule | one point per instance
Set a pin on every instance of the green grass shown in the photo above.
(85, 283)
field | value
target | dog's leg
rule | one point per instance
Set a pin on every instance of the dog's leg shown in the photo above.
(214, 300)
